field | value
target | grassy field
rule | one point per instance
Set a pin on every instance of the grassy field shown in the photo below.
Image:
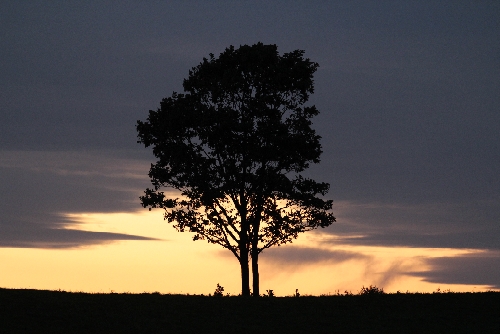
(39, 311)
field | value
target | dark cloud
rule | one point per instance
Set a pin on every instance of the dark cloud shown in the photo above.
(457, 225)
(40, 187)
(30, 235)
(488, 239)
(398, 140)
(479, 269)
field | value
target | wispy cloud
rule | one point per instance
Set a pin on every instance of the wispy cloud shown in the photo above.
(52, 184)
(300, 256)
(58, 238)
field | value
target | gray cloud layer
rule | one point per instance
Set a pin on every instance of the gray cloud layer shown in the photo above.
(459, 224)
(408, 94)
(470, 269)
(41, 186)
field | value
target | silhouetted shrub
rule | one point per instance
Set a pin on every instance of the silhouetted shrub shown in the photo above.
(270, 293)
(371, 290)
(219, 291)
(438, 290)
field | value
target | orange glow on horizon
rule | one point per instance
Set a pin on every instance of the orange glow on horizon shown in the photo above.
(176, 264)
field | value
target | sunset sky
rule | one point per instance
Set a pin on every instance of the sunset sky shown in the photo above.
(409, 101)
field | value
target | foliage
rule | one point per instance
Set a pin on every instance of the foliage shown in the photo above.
(234, 146)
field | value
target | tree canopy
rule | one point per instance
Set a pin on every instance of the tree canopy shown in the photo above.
(234, 145)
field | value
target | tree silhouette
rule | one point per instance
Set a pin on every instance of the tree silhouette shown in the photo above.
(234, 146)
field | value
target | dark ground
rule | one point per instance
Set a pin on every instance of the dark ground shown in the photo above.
(38, 311)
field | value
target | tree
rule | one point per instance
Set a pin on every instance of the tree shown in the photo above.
(234, 146)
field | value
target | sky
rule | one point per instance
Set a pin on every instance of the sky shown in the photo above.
(408, 94)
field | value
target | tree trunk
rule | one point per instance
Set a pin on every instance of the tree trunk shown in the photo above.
(255, 253)
(245, 273)
(255, 271)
